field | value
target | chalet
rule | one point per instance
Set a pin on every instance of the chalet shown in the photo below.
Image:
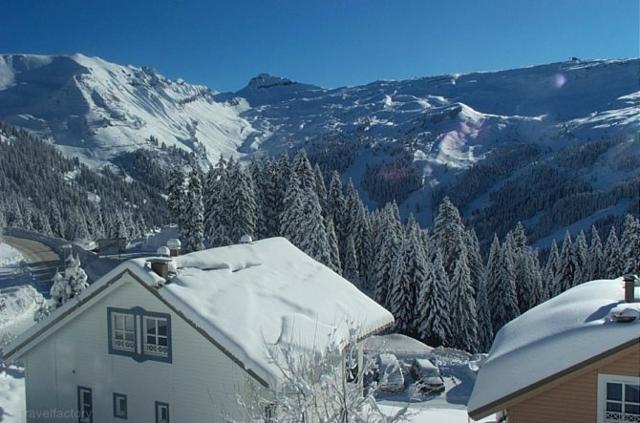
(572, 359)
(180, 339)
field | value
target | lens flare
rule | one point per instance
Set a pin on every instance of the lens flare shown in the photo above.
(560, 80)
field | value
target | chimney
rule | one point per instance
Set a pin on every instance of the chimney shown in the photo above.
(174, 246)
(160, 265)
(245, 239)
(629, 288)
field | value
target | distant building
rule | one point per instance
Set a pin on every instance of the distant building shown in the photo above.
(183, 347)
(573, 359)
(112, 245)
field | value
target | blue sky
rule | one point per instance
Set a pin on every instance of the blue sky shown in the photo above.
(330, 43)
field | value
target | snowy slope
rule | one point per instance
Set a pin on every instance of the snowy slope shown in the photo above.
(96, 109)
(447, 124)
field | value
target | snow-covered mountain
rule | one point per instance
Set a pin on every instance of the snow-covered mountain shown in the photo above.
(439, 127)
(97, 109)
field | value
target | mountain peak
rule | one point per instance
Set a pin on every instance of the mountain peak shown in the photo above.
(265, 80)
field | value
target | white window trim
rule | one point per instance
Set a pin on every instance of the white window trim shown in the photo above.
(603, 378)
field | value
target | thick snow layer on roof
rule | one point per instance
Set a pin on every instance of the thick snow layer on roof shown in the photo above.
(554, 336)
(398, 344)
(250, 296)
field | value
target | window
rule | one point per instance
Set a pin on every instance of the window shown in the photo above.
(85, 405)
(120, 406)
(139, 334)
(618, 399)
(123, 333)
(162, 412)
(156, 336)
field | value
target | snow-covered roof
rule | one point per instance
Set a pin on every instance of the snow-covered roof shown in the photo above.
(398, 344)
(560, 334)
(248, 297)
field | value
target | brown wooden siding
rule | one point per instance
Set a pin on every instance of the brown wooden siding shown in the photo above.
(574, 399)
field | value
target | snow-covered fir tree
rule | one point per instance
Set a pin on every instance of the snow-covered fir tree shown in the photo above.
(568, 264)
(334, 252)
(449, 235)
(176, 194)
(192, 226)
(483, 309)
(463, 308)
(500, 285)
(434, 305)
(581, 253)
(242, 207)
(613, 264)
(65, 286)
(630, 247)
(596, 256)
(400, 291)
(388, 246)
(552, 271)
(350, 269)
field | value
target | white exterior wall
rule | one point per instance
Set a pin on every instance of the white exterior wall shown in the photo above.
(200, 385)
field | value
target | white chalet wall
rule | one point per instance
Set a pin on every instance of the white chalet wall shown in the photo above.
(200, 385)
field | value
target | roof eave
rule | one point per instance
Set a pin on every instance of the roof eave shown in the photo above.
(501, 403)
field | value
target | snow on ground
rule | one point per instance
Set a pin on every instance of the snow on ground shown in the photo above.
(12, 401)
(9, 255)
(17, 307)
(424, 413)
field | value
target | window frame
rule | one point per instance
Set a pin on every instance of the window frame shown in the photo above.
(117, 396)
(603, 380)
(139, 353)
(159, 404)
(156, 335)
(124, 331)
(80, 391)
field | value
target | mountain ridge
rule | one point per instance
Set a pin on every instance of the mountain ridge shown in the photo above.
(428, 132)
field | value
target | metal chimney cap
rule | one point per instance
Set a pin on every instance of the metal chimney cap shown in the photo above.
(246, 239)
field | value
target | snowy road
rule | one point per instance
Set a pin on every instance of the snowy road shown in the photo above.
(41, 263)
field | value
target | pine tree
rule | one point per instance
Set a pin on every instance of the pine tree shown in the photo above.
(388, 243)
(176, 194)
(631, 245)
(449, 235)
(416, 268)
(475, 259)
(501, 285)
(433, 321)
(242, 210)
(552, 271)
(351, 272)
(302, 221)
(581, 249)
(334, 262)
(614, 264)
(463, 308)
(485, 326)
(399, 303)
(292, 214)
(192, 228)
(596, 255)
(568, 265)
(216, 218)
(70, 284)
